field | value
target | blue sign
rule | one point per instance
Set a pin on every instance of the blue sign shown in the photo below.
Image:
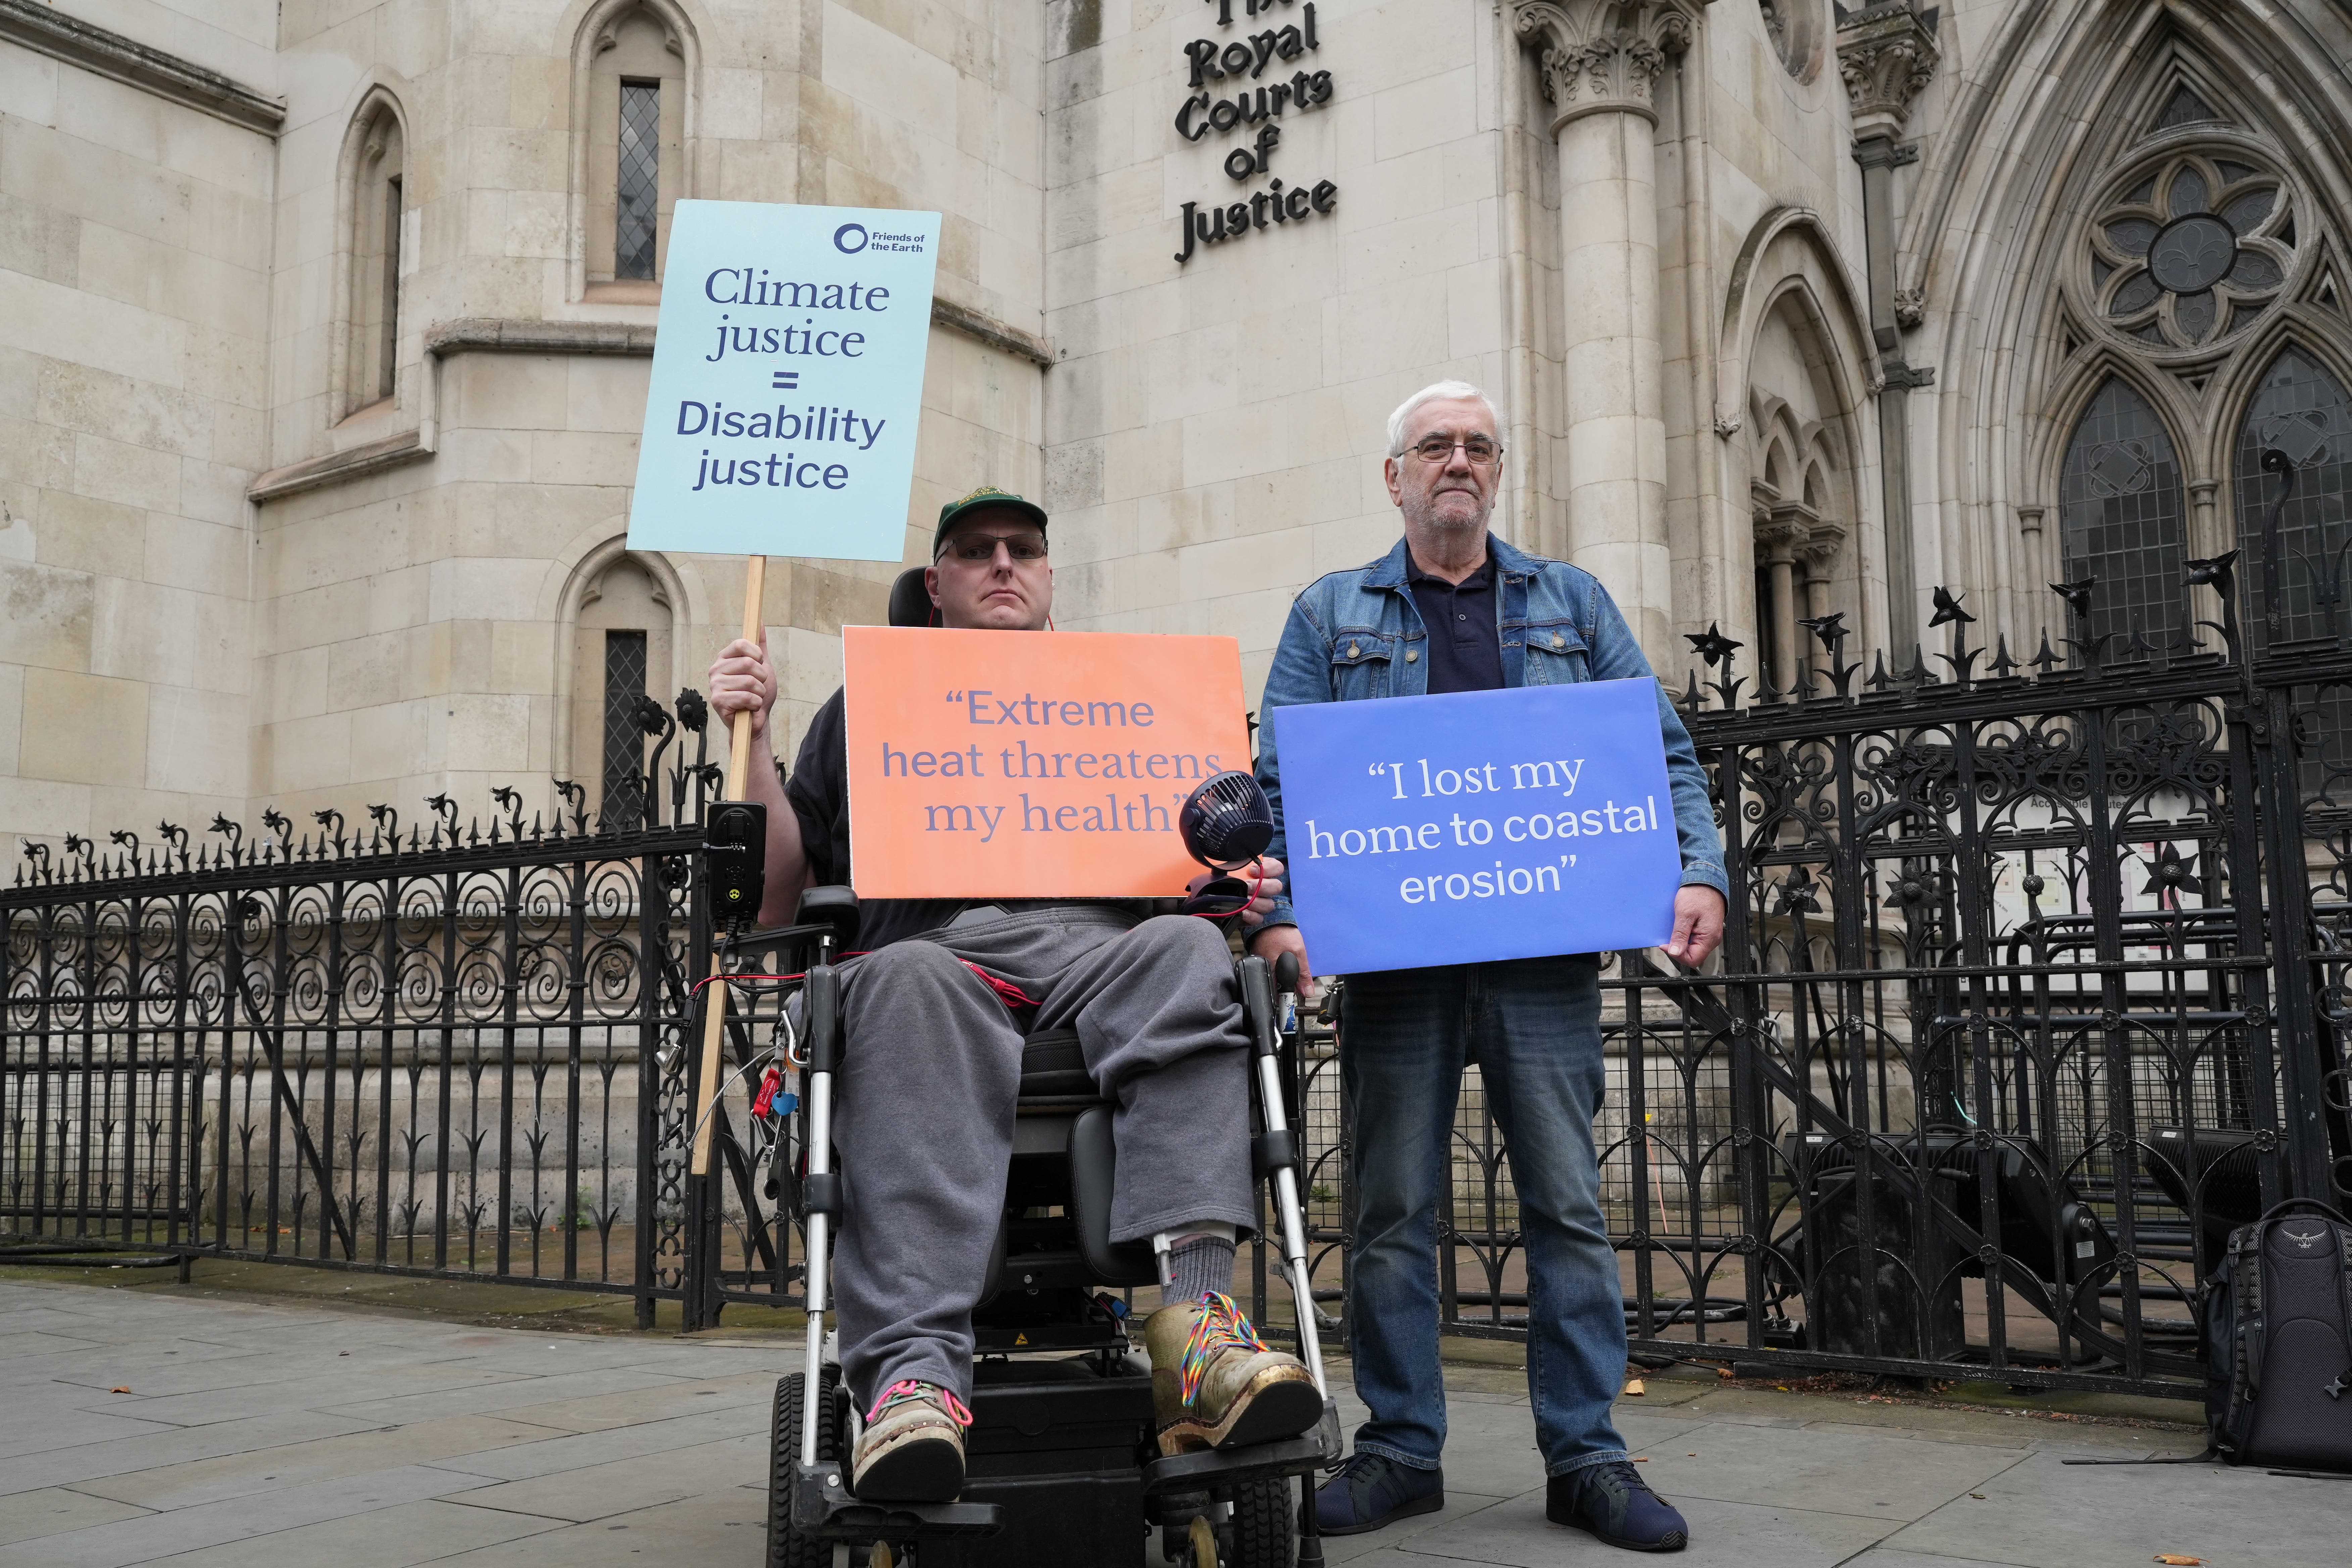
(1477, 825)
(787, 382)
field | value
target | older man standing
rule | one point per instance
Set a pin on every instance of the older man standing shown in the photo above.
(1452, 608)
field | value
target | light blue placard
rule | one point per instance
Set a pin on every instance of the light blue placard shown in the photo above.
(787, 381)
(1477, 825)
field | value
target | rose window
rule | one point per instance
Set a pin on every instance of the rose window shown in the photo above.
(2193, 251)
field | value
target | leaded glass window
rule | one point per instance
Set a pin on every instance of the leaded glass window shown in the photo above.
(2185, 258)
(638, 195)
(2121, 519)
(387, 351)
(2301, 410)
(625, 742)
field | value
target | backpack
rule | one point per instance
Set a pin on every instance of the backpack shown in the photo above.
(2278, 1341)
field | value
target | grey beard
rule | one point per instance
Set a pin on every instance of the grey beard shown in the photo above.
(1420, 514)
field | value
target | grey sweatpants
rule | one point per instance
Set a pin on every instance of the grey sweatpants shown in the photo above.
(930, 1070)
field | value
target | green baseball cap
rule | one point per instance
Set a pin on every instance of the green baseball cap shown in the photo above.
(980, 499)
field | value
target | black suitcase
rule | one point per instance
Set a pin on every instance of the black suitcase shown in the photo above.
(2278, 1341)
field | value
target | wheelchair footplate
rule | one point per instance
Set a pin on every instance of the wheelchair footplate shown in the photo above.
(823, 1508)
(1205, 1468)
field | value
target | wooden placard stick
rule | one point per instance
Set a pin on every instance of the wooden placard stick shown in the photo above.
(739, 775)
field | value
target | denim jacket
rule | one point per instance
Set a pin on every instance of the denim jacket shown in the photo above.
(1358, 633)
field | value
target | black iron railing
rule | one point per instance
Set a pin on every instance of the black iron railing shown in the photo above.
(436, 1050)
(2034, 983)
(2033, 986)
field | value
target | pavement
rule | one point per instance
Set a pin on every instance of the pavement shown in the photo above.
(194, 1429)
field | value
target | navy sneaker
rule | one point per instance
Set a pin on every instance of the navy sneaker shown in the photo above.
(1612, 1501)
(1372, 1490)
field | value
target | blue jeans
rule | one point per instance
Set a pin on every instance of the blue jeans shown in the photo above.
(1533, 1025)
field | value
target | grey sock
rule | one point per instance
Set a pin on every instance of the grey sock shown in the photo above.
(1199, 1264)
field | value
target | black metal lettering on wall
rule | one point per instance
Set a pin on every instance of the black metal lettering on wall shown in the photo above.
(1241, 82)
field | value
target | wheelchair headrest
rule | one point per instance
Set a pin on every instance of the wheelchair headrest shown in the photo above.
(910, 603)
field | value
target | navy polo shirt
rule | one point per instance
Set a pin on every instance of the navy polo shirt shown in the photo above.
(1466, 639)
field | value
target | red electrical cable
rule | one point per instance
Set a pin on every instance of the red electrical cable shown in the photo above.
(708, 978)
(1257, 880)
(802, 975)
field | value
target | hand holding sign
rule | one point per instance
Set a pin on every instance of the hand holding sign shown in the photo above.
(1479, 826)
(779, 420)
(1032, 764)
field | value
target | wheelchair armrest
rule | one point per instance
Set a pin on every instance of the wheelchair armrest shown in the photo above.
(834, 907)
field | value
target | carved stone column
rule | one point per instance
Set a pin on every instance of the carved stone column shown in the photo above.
(1825, 541)
(1776, 542)
(1887, 56)
(1601, 60)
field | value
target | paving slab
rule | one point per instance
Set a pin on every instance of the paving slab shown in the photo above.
(272, 1470)
(551, 1454)
(553, 1400)
(33, 1428)
(1886, 1556)
(23, 1345)
(627, 1486)
(397, 1537)
(54, 1511)
(150, 1536)
(708, 1529)
(1515, 1532)
(346, 1437)
(1405, 1532)
(2043, 1513)
(1871, 1475)
(176, 1445)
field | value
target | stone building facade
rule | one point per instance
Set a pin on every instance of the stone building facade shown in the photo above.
(325, 332)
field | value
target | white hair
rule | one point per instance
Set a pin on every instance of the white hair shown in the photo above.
(1436, 392)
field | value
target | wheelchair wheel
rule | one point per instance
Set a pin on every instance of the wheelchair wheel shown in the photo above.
(787, 1547)
(1262, 1524)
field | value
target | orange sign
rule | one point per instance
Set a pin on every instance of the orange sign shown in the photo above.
(1032, 764)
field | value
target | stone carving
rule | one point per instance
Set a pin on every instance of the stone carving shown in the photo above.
(1887, 56)
(1910, 307)
(1602, 54)
(1794, 29)
(1643, 61)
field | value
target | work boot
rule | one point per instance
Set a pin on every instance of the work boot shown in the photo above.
(1372, 1490)
(912, 1448)
(1214, 1384)
(1612, 1501)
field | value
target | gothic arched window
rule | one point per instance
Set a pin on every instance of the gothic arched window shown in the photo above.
(2301, 410)
(2120, 515)
(635, 168)
(621, 651)
(373, 165)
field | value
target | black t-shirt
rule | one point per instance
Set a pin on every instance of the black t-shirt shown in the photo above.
(1465, 643)
(819, 793)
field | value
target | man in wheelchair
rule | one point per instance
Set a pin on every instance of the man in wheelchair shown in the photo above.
(936, 1006)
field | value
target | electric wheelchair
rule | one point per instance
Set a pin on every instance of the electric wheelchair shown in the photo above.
(1061, 1464)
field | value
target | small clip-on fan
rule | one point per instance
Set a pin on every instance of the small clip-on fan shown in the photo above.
(1226, 823)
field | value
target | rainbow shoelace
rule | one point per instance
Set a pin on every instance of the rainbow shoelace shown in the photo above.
(1224, 1327)
(907, 1388)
